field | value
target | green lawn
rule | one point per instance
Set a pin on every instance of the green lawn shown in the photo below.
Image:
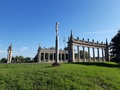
(69, 76)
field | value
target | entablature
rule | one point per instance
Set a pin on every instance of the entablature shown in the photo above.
(88, 43)
(52, 51)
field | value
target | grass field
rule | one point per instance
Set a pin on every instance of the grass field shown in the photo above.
(69, 76)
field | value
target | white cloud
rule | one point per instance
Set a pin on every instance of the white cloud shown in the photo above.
(24, 48)
(100, 32)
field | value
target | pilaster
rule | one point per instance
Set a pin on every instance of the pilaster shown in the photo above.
(70, 52)
(94, 54)
(78, 49)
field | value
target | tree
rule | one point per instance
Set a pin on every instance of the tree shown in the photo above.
(19, 59)
(3, 60)
(27, 59)
(16, 58)
(115, 47)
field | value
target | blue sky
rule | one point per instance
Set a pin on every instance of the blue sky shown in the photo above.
(28, 23)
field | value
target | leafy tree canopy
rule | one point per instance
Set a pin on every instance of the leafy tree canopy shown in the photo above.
(115, 47)
(3, 60)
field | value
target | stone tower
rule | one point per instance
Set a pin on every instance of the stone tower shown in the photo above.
(71, 49)
(9, 54)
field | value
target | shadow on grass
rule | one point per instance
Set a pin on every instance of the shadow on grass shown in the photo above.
(102, 64)
(49, 66)
(52, 66)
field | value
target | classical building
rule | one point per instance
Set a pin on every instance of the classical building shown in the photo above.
(89, 44)
(48, 55)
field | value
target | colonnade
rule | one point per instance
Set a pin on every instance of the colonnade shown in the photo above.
(49, 55)
(89, 44)
(89, 56)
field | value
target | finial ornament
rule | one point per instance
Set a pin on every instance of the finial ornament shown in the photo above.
(39, 46)
(57, 23)
(71, 32)
(10, 47)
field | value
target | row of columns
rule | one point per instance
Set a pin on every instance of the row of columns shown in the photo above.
(71, 42)
(53, 58)
(89, 58)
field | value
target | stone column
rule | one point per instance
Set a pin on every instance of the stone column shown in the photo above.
(94, 54)
(64, 56)
(107, 56)
(57, 45)
(103, 55)
(98, 54)
(53, 57)
(44, 57)
(48, 57)
(89, 54)
(84, 54)
(70, 52)
(78, 53)
(39, 57)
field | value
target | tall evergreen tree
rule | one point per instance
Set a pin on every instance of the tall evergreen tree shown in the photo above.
(115, 47)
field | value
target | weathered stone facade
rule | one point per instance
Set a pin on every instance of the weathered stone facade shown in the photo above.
(48, 55)
(69, 54)
(82, 43)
